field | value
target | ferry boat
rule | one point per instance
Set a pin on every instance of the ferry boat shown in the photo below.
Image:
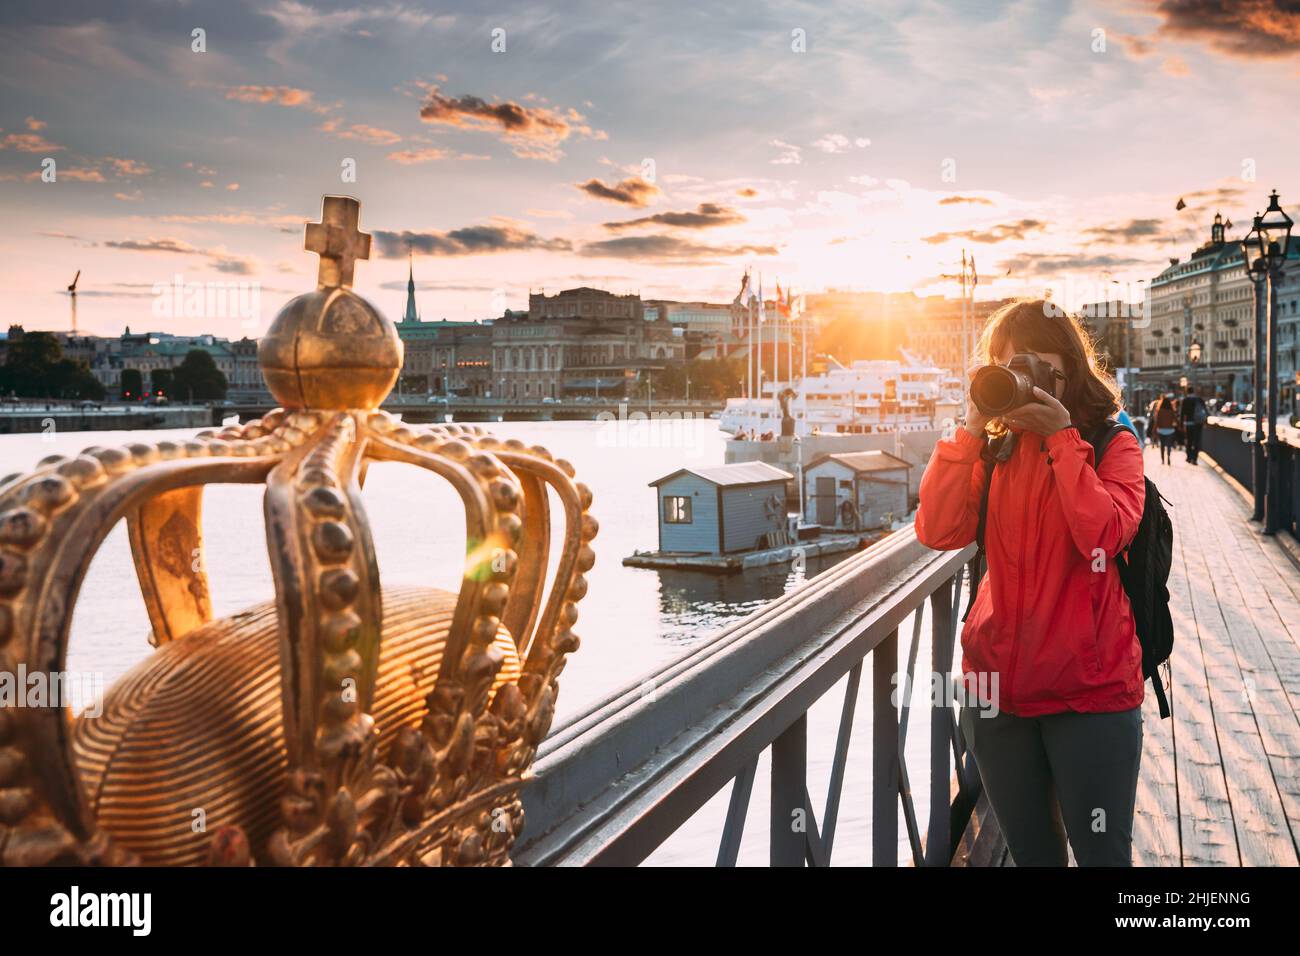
(867, 397)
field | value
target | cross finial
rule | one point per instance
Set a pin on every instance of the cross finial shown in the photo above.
(337, 240)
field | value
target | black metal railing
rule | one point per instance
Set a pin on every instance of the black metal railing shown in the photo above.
(1231, 443)
(615, 782)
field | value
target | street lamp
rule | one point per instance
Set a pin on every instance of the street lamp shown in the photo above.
(1257, 272)
(1270, 240)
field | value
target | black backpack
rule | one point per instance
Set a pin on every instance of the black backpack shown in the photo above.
(1143, 567)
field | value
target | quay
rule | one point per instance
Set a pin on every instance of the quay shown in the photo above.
(1220, 779)
(36, 416)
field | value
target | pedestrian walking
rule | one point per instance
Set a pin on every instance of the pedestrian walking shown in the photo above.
(1193, 414)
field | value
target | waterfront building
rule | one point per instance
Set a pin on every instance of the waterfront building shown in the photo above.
(579, 342)
(1202, 324)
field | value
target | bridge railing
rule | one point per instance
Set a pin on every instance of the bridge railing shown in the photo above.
(616, 781)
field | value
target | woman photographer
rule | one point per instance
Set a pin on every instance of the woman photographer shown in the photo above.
(1056, 721)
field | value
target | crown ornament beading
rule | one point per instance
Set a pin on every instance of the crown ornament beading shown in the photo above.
(341, 724)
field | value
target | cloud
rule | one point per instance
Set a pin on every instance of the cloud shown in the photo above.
(749, 192)
(127, 167)
(218, 258)
(34, 124)
(361, 132)
(466, 241)
(153, 245)
(279, 95)
(428, 154)
(29, 143)
(1000, 233)
(684, 251)
(706, 216)
(839, 143)
(1127, 231)
(83, 174)
(973, 200)
(790, 155)
(633, 191)
(1234, 28)
(1034, 264)
(533, 132)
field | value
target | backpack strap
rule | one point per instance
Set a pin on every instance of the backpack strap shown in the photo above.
(1100, 438)
(999, 449)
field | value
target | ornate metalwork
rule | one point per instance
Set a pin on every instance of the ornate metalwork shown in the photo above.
(341, 724)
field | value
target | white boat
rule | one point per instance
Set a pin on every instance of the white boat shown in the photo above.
(867, 397)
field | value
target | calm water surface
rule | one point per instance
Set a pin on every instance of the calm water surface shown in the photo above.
(631, 622)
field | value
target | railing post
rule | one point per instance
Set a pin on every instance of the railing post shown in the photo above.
(938, 836)
(884, 753)
(789, 784)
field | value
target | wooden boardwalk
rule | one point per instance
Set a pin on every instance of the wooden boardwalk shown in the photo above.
(1220, 780)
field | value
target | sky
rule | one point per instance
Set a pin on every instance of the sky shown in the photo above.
(659, 148)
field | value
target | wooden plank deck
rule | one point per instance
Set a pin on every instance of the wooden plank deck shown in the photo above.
(1220, 780)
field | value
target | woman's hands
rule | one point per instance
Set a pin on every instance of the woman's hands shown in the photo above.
(1045, 416)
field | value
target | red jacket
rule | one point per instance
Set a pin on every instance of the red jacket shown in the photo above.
(1051, 629)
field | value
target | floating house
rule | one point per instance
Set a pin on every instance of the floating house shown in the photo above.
(856, 491)
(722, 509)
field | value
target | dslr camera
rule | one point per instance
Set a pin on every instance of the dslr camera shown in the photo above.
(996, 389)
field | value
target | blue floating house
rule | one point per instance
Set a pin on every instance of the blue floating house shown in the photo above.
(722, 509)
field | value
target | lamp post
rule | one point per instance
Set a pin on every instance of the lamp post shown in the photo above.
(1272, 240)
(1257, 272)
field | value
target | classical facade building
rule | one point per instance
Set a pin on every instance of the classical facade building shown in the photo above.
(580, 341)
(1202, 324)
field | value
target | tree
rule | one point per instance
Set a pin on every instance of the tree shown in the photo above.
(161, 381)
(197, 378)
(36, 367)
(132, 384)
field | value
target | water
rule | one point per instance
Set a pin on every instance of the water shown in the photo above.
(631, 622)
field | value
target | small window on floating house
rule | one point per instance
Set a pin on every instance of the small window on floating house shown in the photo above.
(677, 509)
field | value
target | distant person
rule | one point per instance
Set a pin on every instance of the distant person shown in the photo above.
(1166, 422)
(1192, 415)
(1049, 643)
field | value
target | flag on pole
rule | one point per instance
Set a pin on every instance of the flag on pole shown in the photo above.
(762, 313)
(742, 295)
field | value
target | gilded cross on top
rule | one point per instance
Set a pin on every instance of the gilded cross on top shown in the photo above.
(337, 240)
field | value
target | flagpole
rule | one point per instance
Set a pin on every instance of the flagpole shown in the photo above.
(789, 338)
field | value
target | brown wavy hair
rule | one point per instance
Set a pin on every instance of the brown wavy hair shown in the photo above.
(1039, 325)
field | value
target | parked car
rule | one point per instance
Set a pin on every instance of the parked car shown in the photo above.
(436, 400)
(548, 400)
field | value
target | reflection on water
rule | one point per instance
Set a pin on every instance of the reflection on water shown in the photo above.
(692, 603)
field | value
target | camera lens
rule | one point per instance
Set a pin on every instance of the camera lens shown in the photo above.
(994, 390)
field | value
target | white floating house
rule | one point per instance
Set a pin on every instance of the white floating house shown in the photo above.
(722, 509)
(855, 491)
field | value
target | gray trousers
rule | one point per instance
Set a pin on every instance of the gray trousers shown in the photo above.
(1060, 774)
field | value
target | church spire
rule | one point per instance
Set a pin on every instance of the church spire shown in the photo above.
(411, 315)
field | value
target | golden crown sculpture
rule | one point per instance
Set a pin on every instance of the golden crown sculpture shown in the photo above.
(338, 724)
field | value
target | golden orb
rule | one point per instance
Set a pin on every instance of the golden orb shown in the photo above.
(330, 349)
